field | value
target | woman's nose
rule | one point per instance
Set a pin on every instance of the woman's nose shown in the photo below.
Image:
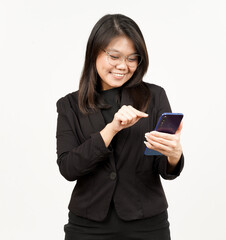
(122, 64)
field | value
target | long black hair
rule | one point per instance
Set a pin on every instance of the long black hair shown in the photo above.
(104, 31)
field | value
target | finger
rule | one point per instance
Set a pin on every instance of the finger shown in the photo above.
(162, 141)
(164, 144)
(120, 117)
(162, 149)
(157, 134)
(128, 112)
(148, 145)
(165, 149)
(137, 112)
(127, 119)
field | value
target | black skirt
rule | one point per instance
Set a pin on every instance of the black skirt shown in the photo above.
(114, 228)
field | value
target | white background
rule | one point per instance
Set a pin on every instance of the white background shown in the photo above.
(42, 47)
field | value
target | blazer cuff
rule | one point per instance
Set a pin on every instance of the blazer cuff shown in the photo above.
(176, 172)
(101, 149)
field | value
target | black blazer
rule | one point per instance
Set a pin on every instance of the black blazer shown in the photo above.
(124, 173)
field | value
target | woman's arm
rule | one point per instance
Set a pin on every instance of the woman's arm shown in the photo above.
(171, 163)
(76, 157)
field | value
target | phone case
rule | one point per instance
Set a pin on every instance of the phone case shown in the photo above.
(168, 123)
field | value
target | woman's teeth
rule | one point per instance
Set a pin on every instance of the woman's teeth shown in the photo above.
(118, 74)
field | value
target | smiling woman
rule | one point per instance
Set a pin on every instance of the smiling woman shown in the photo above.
(121, 35)
(100, 140)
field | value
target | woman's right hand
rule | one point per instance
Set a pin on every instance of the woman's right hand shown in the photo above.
(126, 117)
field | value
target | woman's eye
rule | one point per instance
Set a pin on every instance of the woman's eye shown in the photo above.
(114, 57)
(132, 59)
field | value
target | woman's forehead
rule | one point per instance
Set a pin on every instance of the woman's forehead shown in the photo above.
(121, 44)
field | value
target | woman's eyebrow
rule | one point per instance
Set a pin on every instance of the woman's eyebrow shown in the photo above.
(113, 50)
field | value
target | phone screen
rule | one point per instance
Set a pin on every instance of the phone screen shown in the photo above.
(169, 122)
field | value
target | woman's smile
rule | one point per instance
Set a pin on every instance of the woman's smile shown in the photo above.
(118, 75)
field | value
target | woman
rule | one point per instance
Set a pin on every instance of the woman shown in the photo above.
(100, 140)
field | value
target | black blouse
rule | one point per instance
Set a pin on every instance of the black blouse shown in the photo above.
(112, 98)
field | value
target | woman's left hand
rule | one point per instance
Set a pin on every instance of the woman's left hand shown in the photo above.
(167, 144)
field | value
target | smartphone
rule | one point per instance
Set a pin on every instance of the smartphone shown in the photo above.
(168, 123)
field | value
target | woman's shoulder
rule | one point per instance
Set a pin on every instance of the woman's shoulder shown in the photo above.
(158, 95)
(153, 87)
(70, 100)
(73, 96)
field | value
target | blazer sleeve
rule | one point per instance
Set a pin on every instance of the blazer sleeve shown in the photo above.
(161, 162)
(75, 157)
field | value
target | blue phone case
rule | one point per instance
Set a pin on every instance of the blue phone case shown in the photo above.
(168, 123)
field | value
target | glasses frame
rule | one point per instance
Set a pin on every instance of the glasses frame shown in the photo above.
(123, 58)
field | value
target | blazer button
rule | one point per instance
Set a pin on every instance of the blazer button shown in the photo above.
(113, 175)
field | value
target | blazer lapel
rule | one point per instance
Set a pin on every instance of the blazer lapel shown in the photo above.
(97, 121)
(91, 123)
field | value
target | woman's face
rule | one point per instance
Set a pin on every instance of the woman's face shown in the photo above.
(115, 76)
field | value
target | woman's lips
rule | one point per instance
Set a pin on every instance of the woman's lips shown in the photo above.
(118, 75)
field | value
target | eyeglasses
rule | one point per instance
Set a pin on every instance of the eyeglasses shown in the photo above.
(115, 58)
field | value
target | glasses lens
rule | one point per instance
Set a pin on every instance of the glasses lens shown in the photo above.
(115, 58)
(133, 60)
